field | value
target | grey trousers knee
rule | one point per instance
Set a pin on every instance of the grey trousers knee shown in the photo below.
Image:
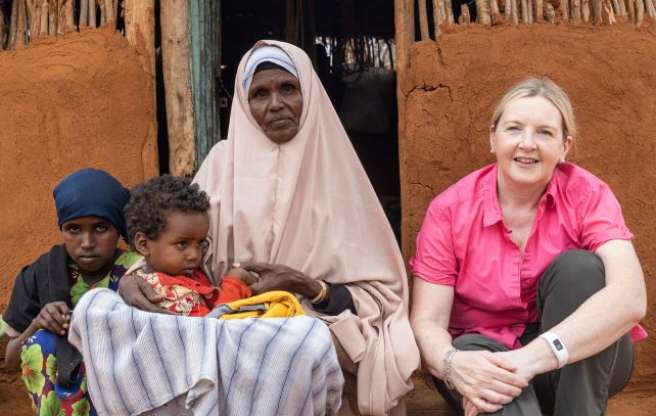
(581, 388)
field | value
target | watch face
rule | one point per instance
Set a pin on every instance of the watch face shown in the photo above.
(557, 344)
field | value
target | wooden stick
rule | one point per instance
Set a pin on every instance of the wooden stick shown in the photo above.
(465, 18)
(483, 12)
(21, 25)
(585, 10)
(623, 11)
(514, 11)
(616, 7)
(140, 28)
(66, 16)
(607, 14)
(112, 11)
(495, 13)
(44, 10)
(576, 11)
(565, 10)
(13, 20)
(651, 9)
(84, 13)
(539, 12)
(33, 27)
(596, 12)
(423, 20)
(103, 14)
(640, 11)
(4, 30)
(438, 17)
(550, 13)
(507, 9)
(630, 5)
(525, 11)
(93, 6)
(53, 9)
(449, 12)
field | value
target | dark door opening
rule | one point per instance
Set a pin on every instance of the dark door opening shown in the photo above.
(353, 54)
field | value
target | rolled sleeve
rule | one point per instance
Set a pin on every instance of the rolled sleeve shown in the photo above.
(434, 260)
(601, 219)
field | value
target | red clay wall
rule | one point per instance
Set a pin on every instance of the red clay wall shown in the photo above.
(610, 75)
(82, 100)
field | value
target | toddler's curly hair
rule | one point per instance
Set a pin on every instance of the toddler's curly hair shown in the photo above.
(152, 200)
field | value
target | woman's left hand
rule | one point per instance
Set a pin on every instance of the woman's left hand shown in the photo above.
(280, 277)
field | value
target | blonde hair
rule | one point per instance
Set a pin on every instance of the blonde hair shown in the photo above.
(540, 87)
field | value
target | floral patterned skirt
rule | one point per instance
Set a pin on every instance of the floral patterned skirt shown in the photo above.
(39, 366)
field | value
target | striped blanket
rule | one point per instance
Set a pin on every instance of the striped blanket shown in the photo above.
(138, 361)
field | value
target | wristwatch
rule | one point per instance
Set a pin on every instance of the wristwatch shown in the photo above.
(557, 347)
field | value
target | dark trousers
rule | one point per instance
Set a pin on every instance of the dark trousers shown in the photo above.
(582, 388)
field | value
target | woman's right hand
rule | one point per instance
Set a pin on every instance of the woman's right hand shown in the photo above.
(54, 317)
(485, 379)
(136, 292)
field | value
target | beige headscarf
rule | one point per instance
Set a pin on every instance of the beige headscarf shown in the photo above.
(309, 205)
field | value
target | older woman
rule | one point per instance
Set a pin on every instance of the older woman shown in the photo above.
(291, 202)
(527, 289)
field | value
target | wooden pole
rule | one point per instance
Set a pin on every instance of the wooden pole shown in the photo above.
(539, 11)
(524, 4)
(84, 13)
(32, 19)
(550, 13)
(596, 12)
(616, 7)
(585, 10)
(515, 11)
(651, 9)
(176, 60)
(53, 10)
(404, 37)
(622, 8)
(65, 17)
(93, 13)
(565, 10)
(465, 17)
(576, 11)
(13, 20)
(438, 16)
(140, 29)
(607, 14)
(4, 30)
(449, 12)
(630, 5)
(507, 9)
(423, 20)
(640, 11)
(495, 14)
(44, 12)
(21, 25)
(529, 11)
(483, 12)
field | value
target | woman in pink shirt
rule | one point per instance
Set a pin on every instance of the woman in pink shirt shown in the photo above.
(527, 289)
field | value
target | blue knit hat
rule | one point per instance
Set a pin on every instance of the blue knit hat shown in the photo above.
(91, 192)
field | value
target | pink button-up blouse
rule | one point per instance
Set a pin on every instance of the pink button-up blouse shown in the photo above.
(464, 243)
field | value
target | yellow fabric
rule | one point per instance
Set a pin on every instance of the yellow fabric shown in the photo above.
(276, 304)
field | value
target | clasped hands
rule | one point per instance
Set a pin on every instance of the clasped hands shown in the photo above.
(488, 380)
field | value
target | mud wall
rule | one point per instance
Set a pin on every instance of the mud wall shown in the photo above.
(83, 100)
(450, 90)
